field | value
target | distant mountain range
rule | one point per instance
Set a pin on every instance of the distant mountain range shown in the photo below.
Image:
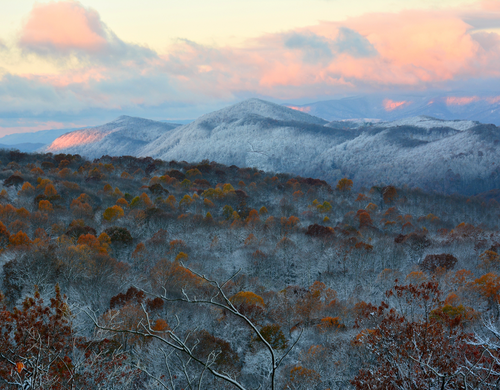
(30, 142)
(444, 155)
(126, 136)
(26, 147)
(485, 109)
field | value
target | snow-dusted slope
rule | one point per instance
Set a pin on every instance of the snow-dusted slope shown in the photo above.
(442, 159)
(428, 122)
(449, 156)
(251, 133)
(124, 136)
(262, 108)
(422, 121)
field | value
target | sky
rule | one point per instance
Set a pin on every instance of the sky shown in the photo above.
(76, 63)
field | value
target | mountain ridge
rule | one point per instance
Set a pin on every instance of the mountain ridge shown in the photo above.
(123, 136)
(443, 155)
(485, 109)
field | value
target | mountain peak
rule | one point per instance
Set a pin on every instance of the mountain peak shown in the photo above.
(128, 118)
(263, 108)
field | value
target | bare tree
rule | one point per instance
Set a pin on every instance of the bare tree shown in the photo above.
(180, 345)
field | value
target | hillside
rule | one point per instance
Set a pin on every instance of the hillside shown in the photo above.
(328, 276)
(124, 136)
(449, 156)
(443, 155)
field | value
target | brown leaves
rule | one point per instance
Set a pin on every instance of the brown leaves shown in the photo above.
(344, 184)
(37, 344)
(247, 298)
(426, 343)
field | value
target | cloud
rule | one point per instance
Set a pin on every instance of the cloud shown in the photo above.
(490, 5)
(353, 43)
(378, 52)
(412, 50)
(67, 28)
(409, 50)
(481, 15)
(321, 49)
(488, 41)
(315, 48)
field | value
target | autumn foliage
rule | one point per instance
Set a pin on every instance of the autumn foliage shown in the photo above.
(242, 268)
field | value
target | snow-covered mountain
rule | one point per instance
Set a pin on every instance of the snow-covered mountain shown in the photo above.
(251, 133)
(124, 136)
(485, 109)
(422, 121)
(449, 156)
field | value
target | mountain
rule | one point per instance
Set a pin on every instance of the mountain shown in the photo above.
(421, 121)
(444, 155)
(26, 147)
(44, 137)
(253, 133)
(440, 158)
(485, 109)
(124, 136)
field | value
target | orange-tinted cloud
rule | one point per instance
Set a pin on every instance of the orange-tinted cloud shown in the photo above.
(377, 52)
(490, 5)
(411, 49)
(64, 26)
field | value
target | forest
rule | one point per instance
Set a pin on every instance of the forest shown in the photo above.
(136, 273)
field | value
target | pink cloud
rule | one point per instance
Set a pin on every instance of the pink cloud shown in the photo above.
(409, 50)
(413, 47)
(80, 76)
(64, 26)
(490, 5)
